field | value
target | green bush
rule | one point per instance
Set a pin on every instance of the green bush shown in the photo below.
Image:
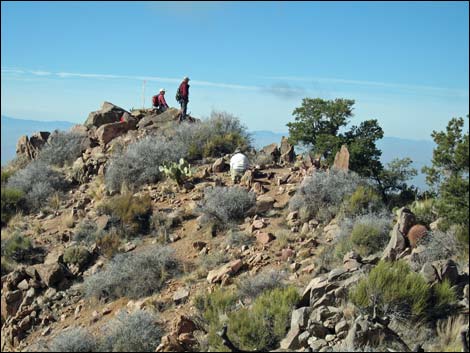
(131, 212)
(12, 202)
(365, 199)
(259, 327)
(423, 211)
(262, 326)
(7, 266)
(77, 255)
(6, 174)
(444, 300)
(365, 234)
(394, 290)
(16, 247)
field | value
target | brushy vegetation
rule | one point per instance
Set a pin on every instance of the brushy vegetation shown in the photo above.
(444, 299)
(38, 181)
(365, 234)
(236, 238)
(226, 205)
(76, 339)
(77, 255)
(262, 326)
(216, 136)
(109, 242)
(252, 286)
(258, 327)
(86, 232)
(63, 148)
(363, 200)
(140, 163)
(135, 332)
(16, 247)
(131, 214)
(210, 261)
(262, 160)
(395, 290)
(438, 245)
(448, 332)
(321, 194)
(133, 275)
(424, 211)
(12, 201)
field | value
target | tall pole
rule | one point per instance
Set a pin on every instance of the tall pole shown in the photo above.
(143, 95)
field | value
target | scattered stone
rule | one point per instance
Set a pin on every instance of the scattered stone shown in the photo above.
(225, 271)
(180, 295)
(265, 238)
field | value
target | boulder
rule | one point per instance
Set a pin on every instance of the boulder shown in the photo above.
(247, 179)
(300, 317)
(10, 302)
(158, 120)
(180, 295)
(51, 274)
(109, 113)
(224, 272)
(107, 132)
(395, 246)
(272, 150)
(264, 203)
(287, 151)
(291, 341)
(29, 147)
(342, 159)
(264, 238)
(220, 166)
(406, 220)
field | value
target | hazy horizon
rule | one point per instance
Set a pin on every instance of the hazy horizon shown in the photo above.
(405, 64)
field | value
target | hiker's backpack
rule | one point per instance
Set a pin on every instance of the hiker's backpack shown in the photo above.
(155, 101)
(178, 94)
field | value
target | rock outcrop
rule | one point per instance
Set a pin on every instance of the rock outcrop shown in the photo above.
(109, 113)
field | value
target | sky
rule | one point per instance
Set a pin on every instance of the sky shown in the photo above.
(404, 63)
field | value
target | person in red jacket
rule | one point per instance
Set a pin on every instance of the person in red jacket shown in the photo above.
(161, 102)
(183, 94)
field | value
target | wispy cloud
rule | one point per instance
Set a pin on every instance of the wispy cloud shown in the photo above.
(283, 89)
(125, 77)
(408, 87)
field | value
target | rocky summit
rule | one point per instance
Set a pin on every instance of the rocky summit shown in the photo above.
(144, 243)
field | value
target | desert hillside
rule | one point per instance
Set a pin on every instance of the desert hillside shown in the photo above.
(127, 233)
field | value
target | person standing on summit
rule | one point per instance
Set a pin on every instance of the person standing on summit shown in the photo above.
(182, 96)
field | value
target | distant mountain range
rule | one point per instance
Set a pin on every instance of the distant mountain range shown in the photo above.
(420, 151)
(13, 129)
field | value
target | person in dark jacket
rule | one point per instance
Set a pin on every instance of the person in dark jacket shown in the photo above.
(161, 102)
(183, 91)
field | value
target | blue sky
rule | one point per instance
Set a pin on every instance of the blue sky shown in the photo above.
(404, 63)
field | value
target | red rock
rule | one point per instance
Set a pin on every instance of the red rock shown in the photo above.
(265, 238)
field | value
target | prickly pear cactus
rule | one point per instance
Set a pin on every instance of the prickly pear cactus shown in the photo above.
(178, 172)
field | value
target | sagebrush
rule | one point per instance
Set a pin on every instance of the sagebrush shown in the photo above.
(321, 194)
(227, 204)
(133, 275)
(63, 148)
